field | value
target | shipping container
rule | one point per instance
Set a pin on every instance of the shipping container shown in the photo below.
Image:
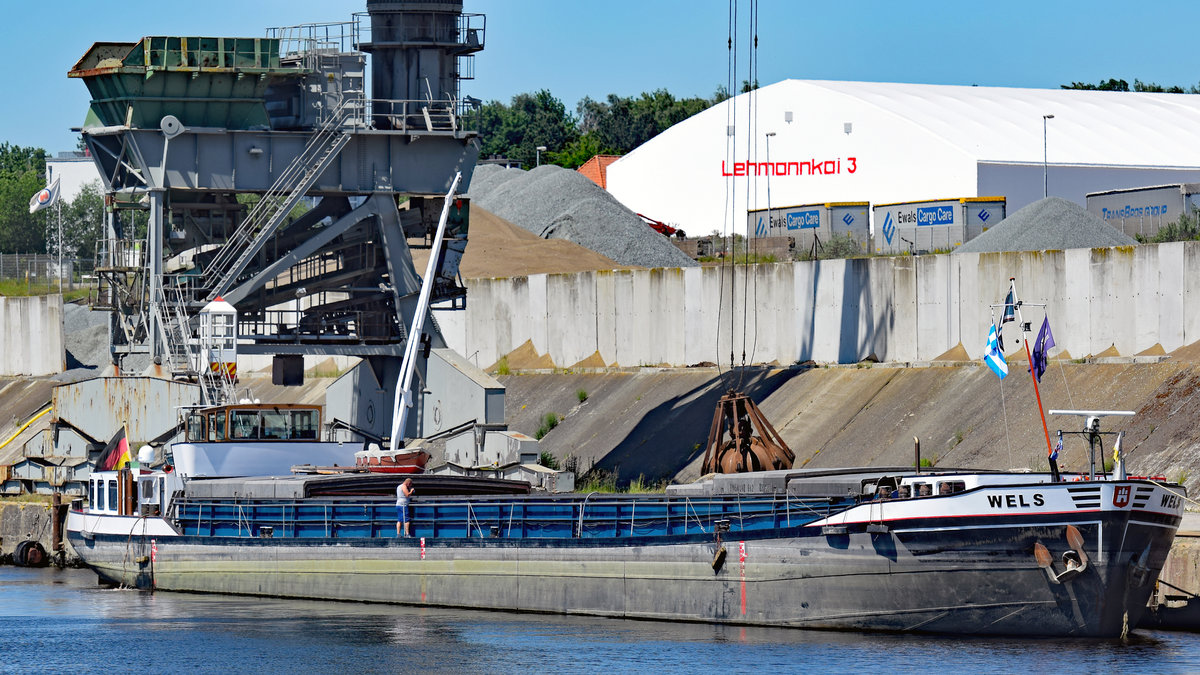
(934, 225)
(813, 225)
(1144, 211)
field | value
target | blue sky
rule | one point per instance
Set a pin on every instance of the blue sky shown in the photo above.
(578, 48)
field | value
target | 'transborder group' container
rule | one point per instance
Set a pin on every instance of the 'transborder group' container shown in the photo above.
(934, 225)
(1145, 210)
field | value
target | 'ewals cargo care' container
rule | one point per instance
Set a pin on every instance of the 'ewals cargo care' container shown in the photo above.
(1143, 211)
(935, 225)
(811, 222)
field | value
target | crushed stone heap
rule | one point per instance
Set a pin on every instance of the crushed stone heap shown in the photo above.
(557, 203)
(1049, 224)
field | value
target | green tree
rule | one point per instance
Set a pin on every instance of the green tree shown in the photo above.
(21, 176)
(21, 231)
(613, 126)
(623, 123)
(1113, 84)
(83, 221)
(1105, 85)
(516, 130)
(583, 148)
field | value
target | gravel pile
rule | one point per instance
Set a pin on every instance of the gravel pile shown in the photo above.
(1052, 223)
(557, 203)
(86, 335)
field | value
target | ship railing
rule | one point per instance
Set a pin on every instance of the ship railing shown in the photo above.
(413, 116)
(468, 33)
(537, 518)
(306, 39)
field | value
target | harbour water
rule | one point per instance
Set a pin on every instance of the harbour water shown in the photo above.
(61, 621)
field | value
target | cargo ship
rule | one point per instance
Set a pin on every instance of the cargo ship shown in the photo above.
(881, 549)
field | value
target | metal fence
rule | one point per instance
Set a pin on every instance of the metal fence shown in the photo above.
(41, 271)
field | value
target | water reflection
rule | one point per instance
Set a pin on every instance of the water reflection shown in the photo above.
(56, 621)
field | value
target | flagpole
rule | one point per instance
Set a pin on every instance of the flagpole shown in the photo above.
(1012, 285)
(58, 212)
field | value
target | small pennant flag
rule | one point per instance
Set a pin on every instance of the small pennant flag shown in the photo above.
(1045, 340)
(993, 357)
(1057, 447)
(44, 198)
(1010, 309)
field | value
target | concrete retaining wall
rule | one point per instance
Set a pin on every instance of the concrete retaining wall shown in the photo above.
(31, 336)
(897, 309)
(21, 521)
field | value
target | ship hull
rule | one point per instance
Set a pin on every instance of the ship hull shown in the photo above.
(975, 575)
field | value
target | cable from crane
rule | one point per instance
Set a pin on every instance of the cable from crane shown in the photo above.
(728, 238)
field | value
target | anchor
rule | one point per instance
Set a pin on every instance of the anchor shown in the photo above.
(1075, 559)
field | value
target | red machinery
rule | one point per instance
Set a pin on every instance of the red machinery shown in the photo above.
(663, 228)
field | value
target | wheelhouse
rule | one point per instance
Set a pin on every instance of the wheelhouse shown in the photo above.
(282, 422)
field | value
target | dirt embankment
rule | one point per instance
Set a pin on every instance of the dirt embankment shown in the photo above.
(655, 423)
(498, 248)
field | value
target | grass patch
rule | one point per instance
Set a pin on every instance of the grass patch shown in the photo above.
(549, 421)
(598, 480)
(502, 366)
(19, 288)
(605, 482)
(927, 463)
(31, 499)
(582, 395)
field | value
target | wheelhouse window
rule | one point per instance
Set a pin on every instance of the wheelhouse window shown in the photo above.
(257, 423)
(147, 485)
(950, 487)
(196, 428)
(243, 424)
(112, 496)
(92, 493)
(304, 424)
(216, 426)
(274, 425)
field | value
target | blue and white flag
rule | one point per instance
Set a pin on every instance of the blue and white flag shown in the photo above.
(1010, 309)
(993, 357)
(1057, 448)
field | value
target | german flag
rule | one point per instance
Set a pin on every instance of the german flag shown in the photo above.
(116, 453)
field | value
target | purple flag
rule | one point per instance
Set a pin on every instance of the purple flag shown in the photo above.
(1045, 340)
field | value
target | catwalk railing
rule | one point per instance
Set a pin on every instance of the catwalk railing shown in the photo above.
(572, 517)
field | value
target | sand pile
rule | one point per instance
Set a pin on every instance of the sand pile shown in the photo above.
(557, 203)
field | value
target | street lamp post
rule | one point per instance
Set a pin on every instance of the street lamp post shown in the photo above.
(540, 150)
(1045, 156)
(770, 170)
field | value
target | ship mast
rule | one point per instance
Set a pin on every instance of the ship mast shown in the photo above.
(1012, 287)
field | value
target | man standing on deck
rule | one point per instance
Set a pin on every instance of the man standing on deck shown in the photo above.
(403, 492)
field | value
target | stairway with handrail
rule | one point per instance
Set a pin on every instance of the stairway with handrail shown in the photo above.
(276, 203)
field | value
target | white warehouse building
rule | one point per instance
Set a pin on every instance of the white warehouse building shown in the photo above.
(811, 142)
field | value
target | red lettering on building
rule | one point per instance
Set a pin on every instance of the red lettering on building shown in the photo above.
(808, 167)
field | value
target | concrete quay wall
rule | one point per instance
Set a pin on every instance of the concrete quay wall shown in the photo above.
(31, 336)
(899, 309)
(22, 521)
